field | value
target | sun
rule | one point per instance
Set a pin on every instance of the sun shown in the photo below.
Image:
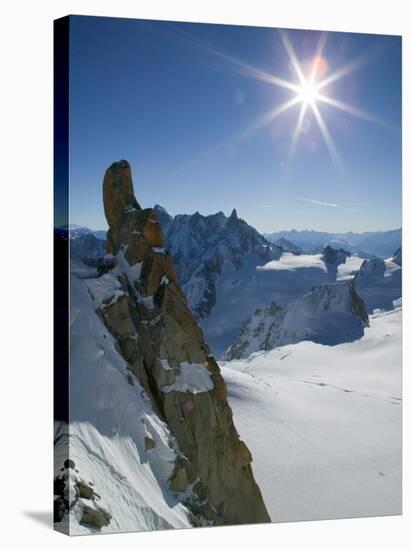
(308, 93)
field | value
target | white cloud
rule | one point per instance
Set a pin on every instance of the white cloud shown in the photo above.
(320, 203)
(330, 204)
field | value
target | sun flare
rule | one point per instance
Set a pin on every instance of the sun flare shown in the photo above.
(308, 93)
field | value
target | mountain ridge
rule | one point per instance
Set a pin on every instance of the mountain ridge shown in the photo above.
(378, 243)
(330, 314)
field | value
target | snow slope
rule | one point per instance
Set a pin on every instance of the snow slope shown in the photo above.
(324, 424)
(110, 422)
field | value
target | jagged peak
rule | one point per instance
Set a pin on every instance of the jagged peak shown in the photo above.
(397, 257)
(233, 216)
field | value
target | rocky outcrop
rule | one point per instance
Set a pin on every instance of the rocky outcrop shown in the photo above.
(260, 332)
(331, 314)
(118, 193)
(333, 258)
(379, 281)
(371, 268)
(158, 336)
(73, 493)
(397, 257)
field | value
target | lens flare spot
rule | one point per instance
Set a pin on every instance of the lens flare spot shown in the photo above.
(318, 67)
(189, 406)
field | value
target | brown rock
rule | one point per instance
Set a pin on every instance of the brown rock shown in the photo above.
(97, 518)
(156, 332)
(85, 491)
(118, 318)
(151, 228)
(149, 443)
(118, 193)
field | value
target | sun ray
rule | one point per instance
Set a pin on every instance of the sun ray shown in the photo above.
(249, 71)
(349, 109)
(292, 57)
(318, 56)
(270, 116)
(263, 121)
(297, 131)
(330, 144)
(352, 66)
(307, 89)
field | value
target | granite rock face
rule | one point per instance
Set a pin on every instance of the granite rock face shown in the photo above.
(163, 345)
(118, 194)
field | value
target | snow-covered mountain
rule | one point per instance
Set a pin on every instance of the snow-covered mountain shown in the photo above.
(359, 286)
(207, 248)
(378, 243)
(324, 423)
(330, 314)
(379, 281)
(164, 217)
(87, 245)
(75, 231)
(228, 270)
(287, 246)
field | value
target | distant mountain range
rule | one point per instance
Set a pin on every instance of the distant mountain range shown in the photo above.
(76, 231)
(227, 269)
(87, 245)
(376, 243)
(371, 243)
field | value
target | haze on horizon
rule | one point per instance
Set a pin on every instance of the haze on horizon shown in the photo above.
(187, 105)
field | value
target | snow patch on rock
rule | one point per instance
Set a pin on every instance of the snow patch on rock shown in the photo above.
(191, 378)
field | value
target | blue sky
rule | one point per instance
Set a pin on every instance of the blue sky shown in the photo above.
(172, 100)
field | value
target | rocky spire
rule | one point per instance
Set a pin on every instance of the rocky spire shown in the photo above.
(118, 193)
(163, 345)
(397, 257)
(233, 218)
